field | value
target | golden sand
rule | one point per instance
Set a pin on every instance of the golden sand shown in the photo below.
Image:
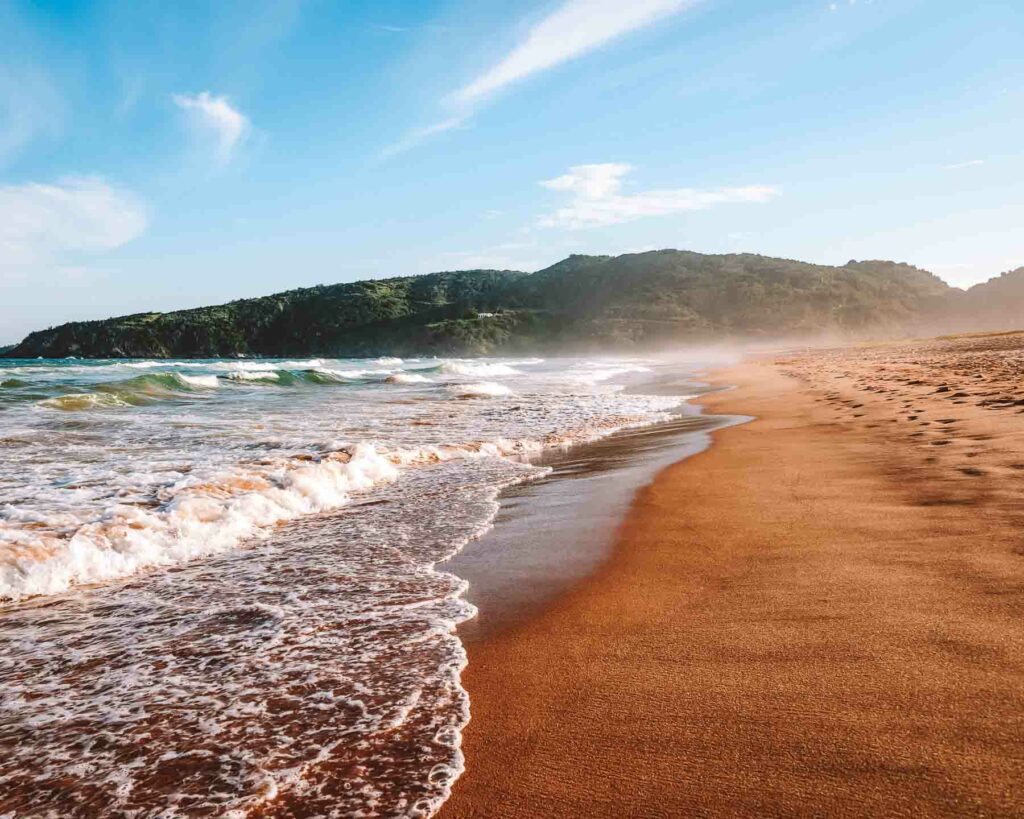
(821, 615)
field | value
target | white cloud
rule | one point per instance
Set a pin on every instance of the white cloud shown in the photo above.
(216, 117)
(970, 163)
(575, 28)
(596, 198)
(42, 225)
(591, 181)
(416, 136)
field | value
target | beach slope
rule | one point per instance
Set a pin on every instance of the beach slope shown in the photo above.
(819, 615)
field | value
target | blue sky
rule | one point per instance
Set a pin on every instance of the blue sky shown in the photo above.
(164, 155)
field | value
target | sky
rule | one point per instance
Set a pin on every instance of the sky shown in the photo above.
(155, 156)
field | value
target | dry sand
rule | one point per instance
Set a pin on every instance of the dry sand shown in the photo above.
(821, 615)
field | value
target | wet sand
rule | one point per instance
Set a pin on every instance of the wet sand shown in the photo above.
(819, 615)
(552, 532)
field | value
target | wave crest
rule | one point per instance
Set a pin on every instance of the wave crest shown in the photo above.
(480, 370)
(196, 519)
(134, 392)
(482, 389)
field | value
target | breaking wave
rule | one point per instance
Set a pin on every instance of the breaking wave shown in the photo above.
(195, 518)
(482, 389)
(478, 370)
(308, 664)
(407, 378)
(137, 391)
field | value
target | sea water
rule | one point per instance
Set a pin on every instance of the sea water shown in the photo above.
(219, 582)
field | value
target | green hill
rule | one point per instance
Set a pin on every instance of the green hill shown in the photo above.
(598, 302)
(997, 304)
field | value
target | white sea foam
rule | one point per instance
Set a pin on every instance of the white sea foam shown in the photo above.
(246, 365)
(311, 661)
(148, 365)
(83, 401)
(351, 375)
(338, 645)
(407, 378)
(262, 374)
(596, 374)
(199, 518)
(254, 364)
(483, 369)
(481, 389)
(526, 362)
(206, 382)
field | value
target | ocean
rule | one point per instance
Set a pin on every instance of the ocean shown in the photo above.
(221, 590)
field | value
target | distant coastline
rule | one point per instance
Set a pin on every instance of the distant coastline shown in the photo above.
(634, 302)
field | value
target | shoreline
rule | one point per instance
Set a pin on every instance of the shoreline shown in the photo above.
(554, 532)
(325, 655)
(785, 626)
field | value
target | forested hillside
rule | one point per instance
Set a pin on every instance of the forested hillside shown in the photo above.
(594, 302)
(997, 304)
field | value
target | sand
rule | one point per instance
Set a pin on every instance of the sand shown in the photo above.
(821, 615)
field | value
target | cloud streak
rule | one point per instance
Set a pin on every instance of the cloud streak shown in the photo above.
(574, 29)
(215, 117)
(44, 224)
(29, 109)
(970, 163)
(596, 198)
(416, 136)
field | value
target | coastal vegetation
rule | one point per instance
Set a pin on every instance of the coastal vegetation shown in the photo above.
(582, 302)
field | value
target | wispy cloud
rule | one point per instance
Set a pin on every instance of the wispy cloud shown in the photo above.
(575, 28)
(417, 135)
(215, 117)
(596, 198)
(30, 108)
(970, 163)
(835, 6)
(49, 224)
(572, 30)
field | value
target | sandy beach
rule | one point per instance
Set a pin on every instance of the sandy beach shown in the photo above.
(819, 615)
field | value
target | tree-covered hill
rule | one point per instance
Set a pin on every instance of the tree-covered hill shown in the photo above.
(583, 301)
(995, 304)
